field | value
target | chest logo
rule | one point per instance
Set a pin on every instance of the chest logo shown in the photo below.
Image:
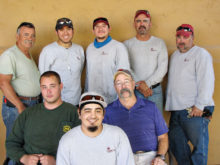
(66, 128)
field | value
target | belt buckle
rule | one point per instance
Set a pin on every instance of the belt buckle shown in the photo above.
(139, 152)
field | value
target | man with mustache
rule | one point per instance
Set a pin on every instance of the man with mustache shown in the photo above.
(148, 59)
(140, 119)
(66, 58)
(19, 76)
(104, 57)
(94, 143)
(189, 98)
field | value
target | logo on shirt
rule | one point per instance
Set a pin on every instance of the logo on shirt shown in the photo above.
(152, 49)
(109, 149)
(66, 128)
(103, 53)
(186, 60)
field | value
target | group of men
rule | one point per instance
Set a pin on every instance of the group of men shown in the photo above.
(126, 77)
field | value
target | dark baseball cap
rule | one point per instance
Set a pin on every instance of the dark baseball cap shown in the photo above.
(100, 19)
(63, 22)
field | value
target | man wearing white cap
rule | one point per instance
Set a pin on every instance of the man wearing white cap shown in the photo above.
(94, 143)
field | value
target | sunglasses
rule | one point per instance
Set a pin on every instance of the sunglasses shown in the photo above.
(65, 22)
(184, 28)
(92, 97)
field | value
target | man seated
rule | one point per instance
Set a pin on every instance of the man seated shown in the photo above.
(140, 119)
(37, 131)
(94, 143)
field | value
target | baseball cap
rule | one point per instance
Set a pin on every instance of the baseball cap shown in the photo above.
(185, 30)
(63, 22)
(145, 12)
(123, 71)
(92, 97)
(100, 19)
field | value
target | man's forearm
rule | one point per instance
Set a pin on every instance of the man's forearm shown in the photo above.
(163, 144)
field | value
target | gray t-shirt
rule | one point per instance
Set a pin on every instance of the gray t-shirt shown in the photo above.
(68, 62)
(111, 147)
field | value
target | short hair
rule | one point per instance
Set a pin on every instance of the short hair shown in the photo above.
(25, 24)
(51, 73)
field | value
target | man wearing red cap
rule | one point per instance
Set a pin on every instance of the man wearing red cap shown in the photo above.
(189, 98)
(104, 57)
(148, 58)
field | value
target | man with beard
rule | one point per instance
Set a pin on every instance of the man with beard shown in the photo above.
(104, 57)
(66, 58)
(148, 59)
(189, 98)
(37, 131)
(94, 143)
(140, 119)
(19, 76)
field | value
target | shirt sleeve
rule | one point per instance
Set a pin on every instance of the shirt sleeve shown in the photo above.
(15, 141)
(124, 152)
(7, 64)
(122, 61)
(205, 79)
(63, 153)
(44, 61)
(162, 65)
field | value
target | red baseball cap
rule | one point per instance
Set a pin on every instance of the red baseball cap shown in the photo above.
(185, 30)
(145, 12)
(100, 19)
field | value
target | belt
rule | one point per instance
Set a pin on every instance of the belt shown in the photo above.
(28, 98)
(141, 152)
(155, 85)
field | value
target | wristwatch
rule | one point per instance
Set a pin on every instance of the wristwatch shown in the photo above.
(161, 156)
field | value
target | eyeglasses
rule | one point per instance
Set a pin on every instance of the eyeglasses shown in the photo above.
(92, 97)
(65, 22)
(119, 83)
(184, 28)
(142, 11)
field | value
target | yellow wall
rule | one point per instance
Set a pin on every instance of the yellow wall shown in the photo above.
(166, 16)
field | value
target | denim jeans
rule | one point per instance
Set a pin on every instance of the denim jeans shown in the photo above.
(157, 97)
(183, 129)
(10, 114)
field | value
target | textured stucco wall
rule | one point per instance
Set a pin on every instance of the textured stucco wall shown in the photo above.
(166, 16)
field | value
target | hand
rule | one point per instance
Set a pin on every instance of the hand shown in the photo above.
(196, 112)
(29, 159)
(158, 161)
(21, 108)
(47, 160)
(144, 89)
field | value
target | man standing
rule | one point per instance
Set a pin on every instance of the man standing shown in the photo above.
(189, 98)
(19, 76)
(66, 58)
(140, 119)
(94, 143)
(37, 131)
(104, 57)
(148, 58)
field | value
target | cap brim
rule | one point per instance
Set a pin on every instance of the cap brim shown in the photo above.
(183, 33)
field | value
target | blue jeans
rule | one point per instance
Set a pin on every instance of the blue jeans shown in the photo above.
(157, 97)
(183, 129)
(10, 114)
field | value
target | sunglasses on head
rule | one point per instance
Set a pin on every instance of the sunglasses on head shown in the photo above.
(92, 97)
(65, 22)
(184, 28)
